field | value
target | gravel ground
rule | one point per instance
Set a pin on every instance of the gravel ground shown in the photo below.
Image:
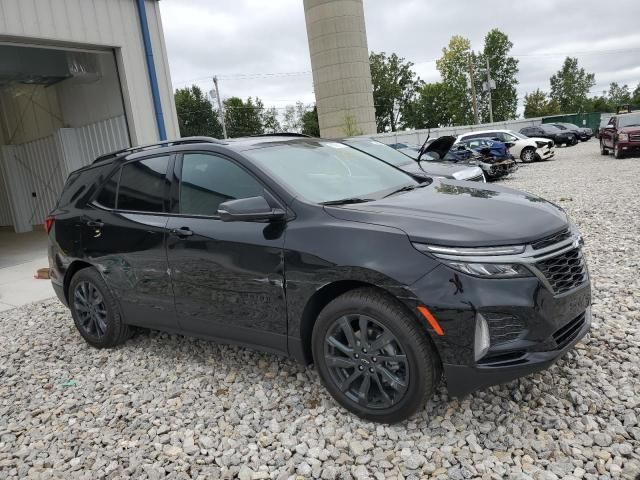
(165, 405)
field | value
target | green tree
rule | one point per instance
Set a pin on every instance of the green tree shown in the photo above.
(635, 96)
(538, 104)
(428, 108)
(394, 85)
(619, 95)
(454, 68)
(310, 124)
(292, 121)
(504, 71)
(196, 115)
(270, 121)
(599, 104)
(570, 86)
(243, 118)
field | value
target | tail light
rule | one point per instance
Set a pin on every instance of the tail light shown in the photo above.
(48, 224)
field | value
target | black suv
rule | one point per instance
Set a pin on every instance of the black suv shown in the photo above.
(546, 130)
(312, 249)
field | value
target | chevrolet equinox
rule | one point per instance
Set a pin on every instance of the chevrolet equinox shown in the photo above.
(312, 249)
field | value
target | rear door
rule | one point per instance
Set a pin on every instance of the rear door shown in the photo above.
(124, 234)
(228, 277)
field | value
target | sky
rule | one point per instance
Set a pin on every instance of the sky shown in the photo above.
(259, 47)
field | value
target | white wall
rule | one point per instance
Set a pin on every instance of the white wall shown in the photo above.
(42, 166)
(102, 24)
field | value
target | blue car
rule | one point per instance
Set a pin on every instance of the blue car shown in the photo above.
(489, 146)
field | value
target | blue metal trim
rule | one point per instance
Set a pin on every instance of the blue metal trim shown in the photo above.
(151, 68)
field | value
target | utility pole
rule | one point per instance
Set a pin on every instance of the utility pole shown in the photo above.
(220, 107)
(490, 86)
(473, 90)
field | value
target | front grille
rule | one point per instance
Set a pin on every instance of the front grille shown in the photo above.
(564, 272)
(551, 239)
(503, 327)
(565, 335)
(634, 137)
(479, 178)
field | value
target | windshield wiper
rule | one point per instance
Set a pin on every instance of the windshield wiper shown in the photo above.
(346, 201)
(407, 188)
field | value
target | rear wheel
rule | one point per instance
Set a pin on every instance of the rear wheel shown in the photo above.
(95, 311)
(373, 357)
(528, 154)
(603, 149)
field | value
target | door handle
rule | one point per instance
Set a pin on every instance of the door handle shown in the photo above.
(181, 232)
(95, 223)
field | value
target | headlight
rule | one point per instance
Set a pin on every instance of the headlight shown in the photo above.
(493, 270)
(472, 251)
(479, 261)
(623, 137)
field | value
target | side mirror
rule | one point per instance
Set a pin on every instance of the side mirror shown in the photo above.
(252, 209)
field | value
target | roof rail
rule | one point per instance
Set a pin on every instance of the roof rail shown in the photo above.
(150, 146)
(282, 134)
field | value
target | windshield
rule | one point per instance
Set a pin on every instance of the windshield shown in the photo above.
(381, 151)
(324, 171)
(517, 135)
(629, 120)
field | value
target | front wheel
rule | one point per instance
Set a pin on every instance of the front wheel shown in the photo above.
(603, 149)
(528, 155)
(617, 152)
(373, 357)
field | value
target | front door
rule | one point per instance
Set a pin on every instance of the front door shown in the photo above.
(228, 277)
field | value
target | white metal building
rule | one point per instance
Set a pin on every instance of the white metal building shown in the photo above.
(78, 78)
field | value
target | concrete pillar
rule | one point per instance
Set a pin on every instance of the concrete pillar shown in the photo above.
(340, 64)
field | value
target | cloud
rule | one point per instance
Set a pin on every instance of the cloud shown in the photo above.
(227, 38)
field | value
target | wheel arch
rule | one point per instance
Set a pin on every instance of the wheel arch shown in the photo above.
(73, 268)
(323, 296)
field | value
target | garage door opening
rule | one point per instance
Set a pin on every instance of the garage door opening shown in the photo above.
(59, 109)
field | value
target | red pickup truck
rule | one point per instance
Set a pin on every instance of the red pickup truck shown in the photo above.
(621, 134)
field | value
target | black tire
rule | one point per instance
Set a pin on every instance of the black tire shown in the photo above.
(528, 154)
(95, 311)
(603, 149)
(403, 382)
(617, 152)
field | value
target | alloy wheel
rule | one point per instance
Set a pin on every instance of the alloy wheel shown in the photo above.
(366, 361)
(90, 308)
(528, 155)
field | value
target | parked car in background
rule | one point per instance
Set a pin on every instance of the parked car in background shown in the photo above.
(546, 130)
(582, 133)
(444, 149)
(308, 248)
(621, 135)
(411, 165)
(525, 148)
(489, 146)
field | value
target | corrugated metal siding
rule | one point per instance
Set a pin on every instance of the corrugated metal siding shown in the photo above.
(417, 137)
(102, 23)
(5, 208)
(100, 138)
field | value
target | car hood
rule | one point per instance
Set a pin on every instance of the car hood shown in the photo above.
(453, 213)
(441, 169)
(630, 129)
(441, 145)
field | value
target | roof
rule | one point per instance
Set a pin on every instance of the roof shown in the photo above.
(481, 132)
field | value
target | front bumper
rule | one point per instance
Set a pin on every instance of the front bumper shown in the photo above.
(545, 153)
(530, 326)
(629, 146)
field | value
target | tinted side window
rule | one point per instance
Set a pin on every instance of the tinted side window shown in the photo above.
(209, 180)
(144, 186)
(107, 196)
